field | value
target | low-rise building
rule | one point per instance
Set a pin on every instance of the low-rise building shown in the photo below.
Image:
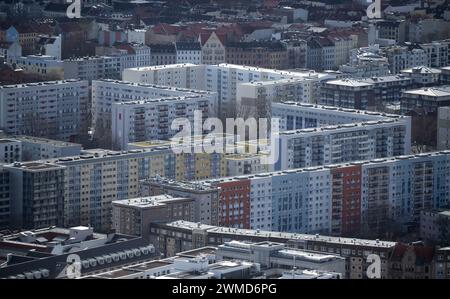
(48, 252)
(133, 216)
(435, 227)
(275, 258)
(206, 199)
(190, 235)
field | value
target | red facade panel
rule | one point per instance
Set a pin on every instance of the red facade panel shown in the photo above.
(234, 204)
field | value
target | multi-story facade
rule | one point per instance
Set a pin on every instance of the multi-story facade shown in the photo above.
(186, 75)
(189, 52)
(206, 199)
(445, 75)
(213, 48)
(241, 164)
(365, 93)
(5, 207)
(10, 151)
(435, 227)
(342, 199)
(98, 177)
(134, 121)
(163, 54)
(395, 30)
(105, 93)
(255, 99)
(348, 93)
(190, 235)
(443, 128)
(53, 109)
(437, 53)
(42, 65)
(440, 262)
(190, 165)
(225, 80)
(34, 148)
(430, 98)
(133, 216)
(38, 197)
(423, 76)
(272, 55)
(93, 68)
(320, 135)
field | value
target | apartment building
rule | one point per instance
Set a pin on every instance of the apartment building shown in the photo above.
(52, 109)
(397, 57)
(98, 177)
(35, 148)
(320, 135)
(191, 165)
(225, 80)
(5, 208)
(437, 53)
(38, 197)
(93, 68)
(206, 199)
(133, 216)
(43, 65)
(135, 121)
(107, 92)
(443, 128)
(80, 189)
(189, 236)
(188, 52)
(342, 199)
(241, 164)
(254, 99)
(445, 75)
(183, 75)
(163, 54)
(272, 55)
(440, 262)
(435, 226)
(423, 76)
(10, 151)
(213, 48)
(348, 93)
(365, 93)
(390, 29)
(430, 98)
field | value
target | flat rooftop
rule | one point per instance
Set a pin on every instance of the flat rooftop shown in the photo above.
(42, 84)
(149, 265)
(292, 236)
(148, 202)
(52, 142)
(375, 162)
(34, 166)
(180, 185)
(160, 67)
(439, 91)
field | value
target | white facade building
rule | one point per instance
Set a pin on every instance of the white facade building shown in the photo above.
(188, 52)
(56, 109)
(141, 120)
(225, 80)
